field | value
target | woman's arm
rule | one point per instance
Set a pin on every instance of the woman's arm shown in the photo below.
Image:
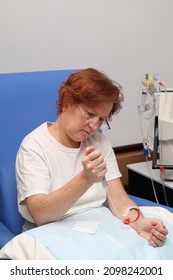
(46, 208)
(152, 230)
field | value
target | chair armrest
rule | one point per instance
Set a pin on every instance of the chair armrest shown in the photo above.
(144, 202)
(5, 235)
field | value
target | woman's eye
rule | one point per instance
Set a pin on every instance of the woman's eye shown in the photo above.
(90, 114)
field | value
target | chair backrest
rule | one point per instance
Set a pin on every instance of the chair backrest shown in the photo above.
(26, 101)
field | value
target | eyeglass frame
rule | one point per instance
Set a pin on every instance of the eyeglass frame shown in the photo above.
(89, 119)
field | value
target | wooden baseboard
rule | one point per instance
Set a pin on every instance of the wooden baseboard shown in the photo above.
(128, 148)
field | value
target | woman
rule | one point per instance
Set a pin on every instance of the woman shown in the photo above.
(62, 167)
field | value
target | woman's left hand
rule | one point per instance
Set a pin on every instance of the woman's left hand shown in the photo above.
(153, 230)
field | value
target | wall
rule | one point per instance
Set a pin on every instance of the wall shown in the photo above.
(123, 38)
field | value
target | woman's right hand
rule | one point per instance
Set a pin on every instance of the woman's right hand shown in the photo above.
(94, 166)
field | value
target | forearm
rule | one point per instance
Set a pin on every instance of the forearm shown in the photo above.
(119, 203)
(46, 208)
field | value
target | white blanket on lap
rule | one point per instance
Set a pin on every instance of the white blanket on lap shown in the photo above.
(109, 239)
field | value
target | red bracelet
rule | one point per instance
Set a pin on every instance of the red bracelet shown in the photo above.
(127, 221)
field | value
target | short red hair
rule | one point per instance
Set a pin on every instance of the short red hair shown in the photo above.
(90, 86)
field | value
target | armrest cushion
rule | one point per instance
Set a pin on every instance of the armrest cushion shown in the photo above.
(5, 235)
(144, 202)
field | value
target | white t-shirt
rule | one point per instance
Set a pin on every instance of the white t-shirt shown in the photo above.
(44, 165)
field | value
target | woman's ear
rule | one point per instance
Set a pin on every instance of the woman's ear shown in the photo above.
(64, 107)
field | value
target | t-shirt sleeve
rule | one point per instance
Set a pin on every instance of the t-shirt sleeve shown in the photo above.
(32, 174)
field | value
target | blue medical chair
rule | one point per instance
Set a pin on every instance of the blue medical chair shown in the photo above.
(26, 101)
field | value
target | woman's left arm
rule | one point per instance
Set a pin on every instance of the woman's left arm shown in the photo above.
(119, 203)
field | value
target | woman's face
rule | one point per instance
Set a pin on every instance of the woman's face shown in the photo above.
(81, 121)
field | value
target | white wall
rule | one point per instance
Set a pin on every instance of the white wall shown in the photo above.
(124, 38)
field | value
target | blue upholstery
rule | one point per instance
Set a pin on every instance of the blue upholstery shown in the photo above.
(26, 100)
(5, 235)
(144, 202)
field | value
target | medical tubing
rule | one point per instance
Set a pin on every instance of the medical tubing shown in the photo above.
(162, 169)
(127, 220)
(145, 151)
(152, 181)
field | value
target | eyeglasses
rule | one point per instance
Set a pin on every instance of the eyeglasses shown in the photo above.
(102, 123)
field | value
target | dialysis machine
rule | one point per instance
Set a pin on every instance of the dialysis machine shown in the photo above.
(155, 107)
